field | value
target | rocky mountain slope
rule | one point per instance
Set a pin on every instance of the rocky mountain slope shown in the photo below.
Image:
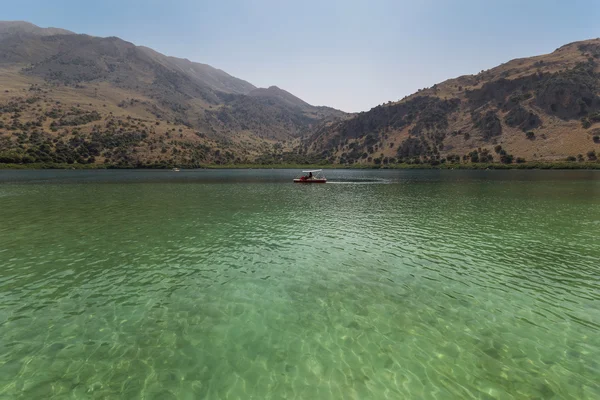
(77, 98)
(539, 108)
(71, 98)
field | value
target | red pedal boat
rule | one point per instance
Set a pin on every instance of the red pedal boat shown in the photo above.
(314, 176)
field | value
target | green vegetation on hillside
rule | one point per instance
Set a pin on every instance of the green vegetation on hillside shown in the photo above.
(484, 110)
(239, 119)
(75, 99)
(450, 166)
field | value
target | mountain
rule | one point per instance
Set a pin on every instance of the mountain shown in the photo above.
(274, 92)
(8, 28)
(539, 108)
(108, 100)
(76, 98)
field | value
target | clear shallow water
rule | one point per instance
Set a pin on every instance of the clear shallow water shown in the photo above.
(239, 284)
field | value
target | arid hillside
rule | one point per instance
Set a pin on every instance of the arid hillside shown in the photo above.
(75, 98)
(539, 108)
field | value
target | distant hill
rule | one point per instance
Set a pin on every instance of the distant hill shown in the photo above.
(280, 95)
(274, 94)
(539, 108)
(214, 78)
(51, 76)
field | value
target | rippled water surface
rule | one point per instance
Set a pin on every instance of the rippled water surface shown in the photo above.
(242, 285)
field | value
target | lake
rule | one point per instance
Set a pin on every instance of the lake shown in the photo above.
(238, 284)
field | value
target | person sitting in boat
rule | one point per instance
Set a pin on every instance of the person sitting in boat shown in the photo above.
(310, 175)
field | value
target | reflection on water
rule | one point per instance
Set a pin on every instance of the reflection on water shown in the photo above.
(239, 284)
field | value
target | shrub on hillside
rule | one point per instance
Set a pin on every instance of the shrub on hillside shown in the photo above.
(453, 158)
(594, 117)
(488, 124)
(474, 156)
(411, 147)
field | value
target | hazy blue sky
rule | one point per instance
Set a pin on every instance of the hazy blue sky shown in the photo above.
(347, 54)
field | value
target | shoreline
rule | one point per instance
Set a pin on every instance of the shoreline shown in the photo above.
(559, 165)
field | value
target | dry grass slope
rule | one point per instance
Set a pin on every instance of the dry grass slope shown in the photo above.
(78, 99)
(71, 98)
(543, 108)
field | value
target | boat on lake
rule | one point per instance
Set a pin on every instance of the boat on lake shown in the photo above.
(175, 169)
(312, 176)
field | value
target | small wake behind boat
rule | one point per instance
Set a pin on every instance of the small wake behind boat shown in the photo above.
(313, 176)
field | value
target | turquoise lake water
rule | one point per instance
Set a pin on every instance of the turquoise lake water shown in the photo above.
(234, 284)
